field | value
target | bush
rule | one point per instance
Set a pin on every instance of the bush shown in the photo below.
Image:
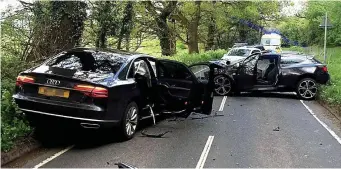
(189, 59)
(13, 124)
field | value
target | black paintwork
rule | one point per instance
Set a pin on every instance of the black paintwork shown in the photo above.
(110, 69)
(291, 68)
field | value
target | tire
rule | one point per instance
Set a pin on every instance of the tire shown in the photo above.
(223, 85)
(129, 121)
(306, 89)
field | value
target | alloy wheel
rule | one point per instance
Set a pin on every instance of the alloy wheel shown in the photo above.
(307, 89)
(222, 85)
(131, 121)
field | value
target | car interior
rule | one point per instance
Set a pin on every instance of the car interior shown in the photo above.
(267, 71)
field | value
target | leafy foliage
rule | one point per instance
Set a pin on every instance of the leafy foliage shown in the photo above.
(13, 124)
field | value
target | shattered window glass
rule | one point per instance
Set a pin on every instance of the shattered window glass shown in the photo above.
(99, 62)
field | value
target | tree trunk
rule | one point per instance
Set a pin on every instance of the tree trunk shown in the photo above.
(242, 34)
(127, 39)
(193, 30)
(127, 25)
(119, 42)
(193, 38)
(165, 36)
(101, 38)
(210, 35)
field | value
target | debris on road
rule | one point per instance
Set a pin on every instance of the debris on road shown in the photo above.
(276, 129)
(175, 119)
(154, 135)
(122, 165)
(234, 120)
(204, 117)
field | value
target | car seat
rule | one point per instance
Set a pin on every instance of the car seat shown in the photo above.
(270, 68)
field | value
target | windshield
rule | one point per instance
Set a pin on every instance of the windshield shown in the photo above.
(239, 52)
(270, 42)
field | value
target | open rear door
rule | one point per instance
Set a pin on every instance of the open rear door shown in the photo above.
(185, 89)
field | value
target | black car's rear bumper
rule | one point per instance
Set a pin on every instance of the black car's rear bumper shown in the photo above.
(322, 78)
(84, 115)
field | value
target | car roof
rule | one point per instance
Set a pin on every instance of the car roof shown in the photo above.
(246, 47)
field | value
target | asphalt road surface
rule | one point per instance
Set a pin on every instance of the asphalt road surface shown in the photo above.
(267, 130)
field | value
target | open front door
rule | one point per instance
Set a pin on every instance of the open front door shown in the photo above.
(202, 97)
(183, 89)
(247, 72)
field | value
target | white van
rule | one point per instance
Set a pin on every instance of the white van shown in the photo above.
(272, 42)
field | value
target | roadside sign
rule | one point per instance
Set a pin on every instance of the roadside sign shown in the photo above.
(325, 23)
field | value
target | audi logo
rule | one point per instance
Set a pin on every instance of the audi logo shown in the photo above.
(53, 82)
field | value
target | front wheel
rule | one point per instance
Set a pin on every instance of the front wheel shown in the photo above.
(223, 85)
(129, 121)
(306, 89)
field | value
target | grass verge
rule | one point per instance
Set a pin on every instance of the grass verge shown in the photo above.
(330, 93)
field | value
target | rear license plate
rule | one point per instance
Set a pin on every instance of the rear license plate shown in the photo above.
(47, 91)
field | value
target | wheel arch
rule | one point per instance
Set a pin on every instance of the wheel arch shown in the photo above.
(307, 75)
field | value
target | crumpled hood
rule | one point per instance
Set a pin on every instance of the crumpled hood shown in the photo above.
(233, 59)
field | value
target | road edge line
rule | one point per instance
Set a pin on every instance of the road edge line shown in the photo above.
(221, 108)
(338, 139)
(53, 157)
(204, 153)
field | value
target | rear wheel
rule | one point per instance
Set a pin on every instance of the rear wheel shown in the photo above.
(223, 85)
(129, 122)
(306, 89)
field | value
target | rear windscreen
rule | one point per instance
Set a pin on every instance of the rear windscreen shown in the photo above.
(99, 62)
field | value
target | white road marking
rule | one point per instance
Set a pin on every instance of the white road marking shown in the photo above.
(322, 123)
(221, 108)
(204, 153)
(52, 157)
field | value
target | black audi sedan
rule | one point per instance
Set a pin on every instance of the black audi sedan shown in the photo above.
(289, 72)
(97, 88)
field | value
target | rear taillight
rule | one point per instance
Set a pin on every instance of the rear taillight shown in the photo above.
(92, 91)
(325, 69)
(24, 79)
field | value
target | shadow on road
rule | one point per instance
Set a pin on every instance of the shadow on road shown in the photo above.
(285, 95)
(83, 138)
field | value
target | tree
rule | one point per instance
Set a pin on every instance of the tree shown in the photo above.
(106, 15)
(126, 25)
(160, 11)
(57, 26)
(190, 21)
